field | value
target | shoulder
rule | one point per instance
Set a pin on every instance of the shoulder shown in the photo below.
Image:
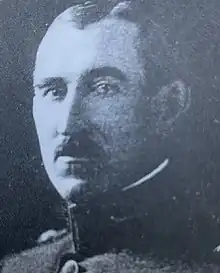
(43, 258)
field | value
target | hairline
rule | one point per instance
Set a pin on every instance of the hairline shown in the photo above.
(142, 44)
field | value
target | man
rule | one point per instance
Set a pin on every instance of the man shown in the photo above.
(107, 94)
(95, 79)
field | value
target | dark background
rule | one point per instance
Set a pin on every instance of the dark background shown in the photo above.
(187, 220)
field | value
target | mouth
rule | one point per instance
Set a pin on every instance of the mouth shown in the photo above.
(71, 163)
(78, 152)
(79, 159)
(78, 167)
(72, 160)
(74, 153)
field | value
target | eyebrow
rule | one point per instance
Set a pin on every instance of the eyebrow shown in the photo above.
(88, 75)
(50, 82)
(104, 71)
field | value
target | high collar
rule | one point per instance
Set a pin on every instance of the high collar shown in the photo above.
(115, 220)
(97, 228)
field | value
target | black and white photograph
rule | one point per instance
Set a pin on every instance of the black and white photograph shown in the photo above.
(109, 136)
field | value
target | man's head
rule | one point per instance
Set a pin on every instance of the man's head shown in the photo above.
(105, 91)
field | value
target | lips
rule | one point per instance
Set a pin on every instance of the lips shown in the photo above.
(67, 156)
(68, 165)
(77, 150)
(68, 152)
(73, 160)
(76, 154)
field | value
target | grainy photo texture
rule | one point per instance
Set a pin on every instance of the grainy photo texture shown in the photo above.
(109, 136)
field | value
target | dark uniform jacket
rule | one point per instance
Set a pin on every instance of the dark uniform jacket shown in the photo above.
(105, 245)
(58, 257)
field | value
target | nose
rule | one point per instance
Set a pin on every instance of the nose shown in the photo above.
(69, 118)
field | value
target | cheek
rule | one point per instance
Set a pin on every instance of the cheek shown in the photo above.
(44, 122)
(115, 117)
(108, 111)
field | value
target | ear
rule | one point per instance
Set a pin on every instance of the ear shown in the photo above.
(170, 103)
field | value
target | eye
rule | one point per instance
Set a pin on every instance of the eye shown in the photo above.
(55, 92)
(52, 89)
(104, 87)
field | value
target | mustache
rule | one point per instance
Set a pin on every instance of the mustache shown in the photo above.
(83, 144)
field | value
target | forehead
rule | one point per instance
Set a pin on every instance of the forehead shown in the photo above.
(67, 52)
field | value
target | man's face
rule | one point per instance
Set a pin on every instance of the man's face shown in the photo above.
(88, 106)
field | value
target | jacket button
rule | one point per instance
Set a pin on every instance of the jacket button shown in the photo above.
(70, 266)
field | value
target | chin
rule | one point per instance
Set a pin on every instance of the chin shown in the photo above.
(67, 186)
